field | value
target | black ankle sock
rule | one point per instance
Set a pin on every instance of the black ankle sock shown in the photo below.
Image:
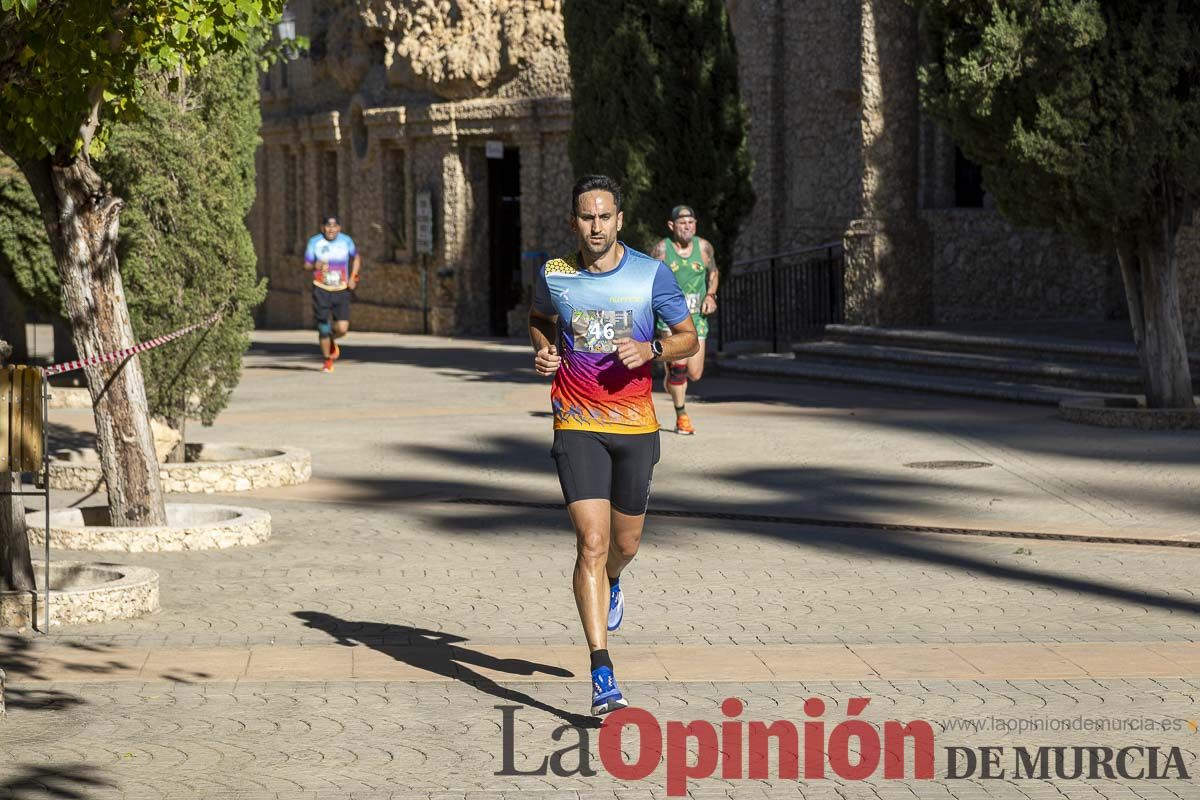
(680, 409)
(612, 582)
(600, 659)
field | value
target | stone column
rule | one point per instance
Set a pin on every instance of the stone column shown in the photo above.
(455, 206)
(888, 272)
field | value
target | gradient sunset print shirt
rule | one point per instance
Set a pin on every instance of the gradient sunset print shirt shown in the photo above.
(593, 390)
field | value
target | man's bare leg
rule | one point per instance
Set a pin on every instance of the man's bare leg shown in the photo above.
(592, 520)
(678, 373)
(626, 538)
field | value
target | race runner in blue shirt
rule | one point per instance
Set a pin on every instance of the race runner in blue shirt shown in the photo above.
(334, 261)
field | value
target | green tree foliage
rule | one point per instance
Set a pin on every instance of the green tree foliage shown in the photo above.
(1085, 115)
(657, 106)
(187, 165)
(25, 257)
(68, 67)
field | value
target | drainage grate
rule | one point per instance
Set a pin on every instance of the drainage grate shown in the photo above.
(948, 464)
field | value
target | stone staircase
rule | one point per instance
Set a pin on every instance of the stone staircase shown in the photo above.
(1035, 368)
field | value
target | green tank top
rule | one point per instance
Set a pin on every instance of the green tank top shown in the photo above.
(690, 273)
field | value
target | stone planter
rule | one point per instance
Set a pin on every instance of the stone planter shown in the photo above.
(191, 526)
(1127, 412)
(209, 468)
(81, 593)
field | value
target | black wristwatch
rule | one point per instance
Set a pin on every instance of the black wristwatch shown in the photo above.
(656, 347)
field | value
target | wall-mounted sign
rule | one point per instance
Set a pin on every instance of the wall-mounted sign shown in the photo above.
(424, 222)
(494, 149)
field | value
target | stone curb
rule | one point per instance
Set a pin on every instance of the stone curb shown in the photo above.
(900, 337)
(785, 367)
(119, 592)
(199, 527)
(1127, 412)
(650, 663)
(285, 466)
(985, 366)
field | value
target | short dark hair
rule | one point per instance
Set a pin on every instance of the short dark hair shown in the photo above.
(595, 183)
(336, 219)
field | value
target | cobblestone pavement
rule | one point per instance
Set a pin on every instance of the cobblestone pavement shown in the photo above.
(394, 543)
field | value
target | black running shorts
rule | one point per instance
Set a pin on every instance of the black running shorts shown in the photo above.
(616, 467)
(328, 304)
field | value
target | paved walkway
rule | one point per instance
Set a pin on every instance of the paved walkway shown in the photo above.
(420, 580)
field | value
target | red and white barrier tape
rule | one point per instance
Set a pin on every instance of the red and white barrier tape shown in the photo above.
(120, 355)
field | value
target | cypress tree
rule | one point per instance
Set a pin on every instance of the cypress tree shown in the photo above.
(185, 252)
(657, 106)
(1085, 115)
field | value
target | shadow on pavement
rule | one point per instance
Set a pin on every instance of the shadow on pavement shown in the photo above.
(67, 781)
(840, 537)
(19, 659)
(438, 652)
(474, 363)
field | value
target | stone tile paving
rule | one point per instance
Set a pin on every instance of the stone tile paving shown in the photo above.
(373, 554)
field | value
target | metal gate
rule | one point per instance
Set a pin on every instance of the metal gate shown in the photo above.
(784, 297)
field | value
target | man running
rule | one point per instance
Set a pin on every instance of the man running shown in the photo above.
(334, 261)
(592, 328)
(695, 267)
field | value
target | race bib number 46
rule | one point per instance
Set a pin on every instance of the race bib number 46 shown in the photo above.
(595, 331)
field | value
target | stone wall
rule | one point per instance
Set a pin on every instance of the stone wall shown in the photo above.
(395, 98)
(985, 269)
(799, 69)
(440, 148)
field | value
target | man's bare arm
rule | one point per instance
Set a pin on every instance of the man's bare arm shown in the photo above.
(710, 261)
(660, 250)
(543, 330)
(682, 343)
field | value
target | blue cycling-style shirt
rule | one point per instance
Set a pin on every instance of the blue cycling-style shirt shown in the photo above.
(593, 390)
(337, 253)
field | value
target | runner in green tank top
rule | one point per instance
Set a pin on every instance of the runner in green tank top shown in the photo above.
(694, 265)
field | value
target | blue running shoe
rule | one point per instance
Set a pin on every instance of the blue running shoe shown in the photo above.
(606, 696)
(616, 605)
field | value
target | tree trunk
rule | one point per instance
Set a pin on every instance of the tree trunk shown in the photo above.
(16, 567)
(81, 217)
(1150, 273)
(178, 453)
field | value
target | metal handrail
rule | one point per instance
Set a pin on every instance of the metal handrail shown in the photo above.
(802, 251)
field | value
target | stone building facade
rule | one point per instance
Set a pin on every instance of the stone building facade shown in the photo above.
(403, 96)
(466, 103)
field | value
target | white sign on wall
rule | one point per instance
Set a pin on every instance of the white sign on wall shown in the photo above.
(424, 222)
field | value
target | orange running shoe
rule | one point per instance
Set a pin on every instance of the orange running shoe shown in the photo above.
(328, 366)
(683, 425)
(336, 353)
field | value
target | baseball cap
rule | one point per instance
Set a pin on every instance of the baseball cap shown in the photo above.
(681, 211)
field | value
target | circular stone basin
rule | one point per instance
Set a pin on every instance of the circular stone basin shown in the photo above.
(191, 526)
(208, 468)
(82, 592)
(1127, 412)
